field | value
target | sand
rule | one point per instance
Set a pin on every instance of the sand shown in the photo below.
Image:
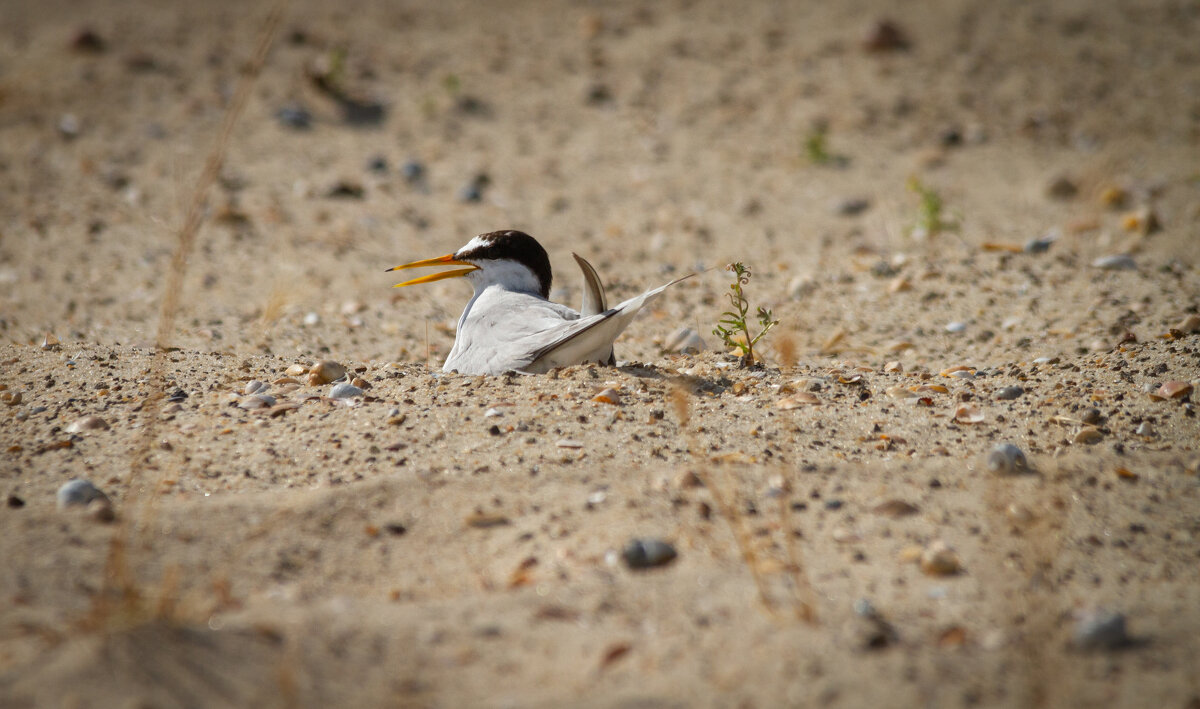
(447, 540)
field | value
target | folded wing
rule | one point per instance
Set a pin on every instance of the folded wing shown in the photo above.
(590, 338)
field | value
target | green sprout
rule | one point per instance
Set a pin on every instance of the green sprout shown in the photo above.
(930, 219)
(732, 328)
(816, 147)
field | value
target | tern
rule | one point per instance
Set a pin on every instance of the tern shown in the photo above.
(510, 324)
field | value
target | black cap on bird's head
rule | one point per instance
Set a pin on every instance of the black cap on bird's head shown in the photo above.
(492, 248)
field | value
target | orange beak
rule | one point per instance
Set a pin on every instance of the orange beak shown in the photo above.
(447, 260)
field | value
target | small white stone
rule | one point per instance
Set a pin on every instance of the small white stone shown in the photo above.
(78, 493)
(344, 390)
(87, 423)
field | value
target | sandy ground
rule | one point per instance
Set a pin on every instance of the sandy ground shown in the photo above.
(456, 541)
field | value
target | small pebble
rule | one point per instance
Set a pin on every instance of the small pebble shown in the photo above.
(311, 319)
(296, 370)
(1117, 262)
(1174, 390)
(939, 559)
(78, 493)
(254, 386)
(1145, 429)
(1009, 393)
(87, 423)
(470, 193)
(256, 401)
(344, 390)
(377, 164)
(885, 36)
(345, 189)
(868, 629)
(568, 443)
(1189, 324)
(473, 190)
(1091, 416)
(1100, 630)
(1019, 515)
(685, 340)
(1088, 436)
(1006, 459)
(851, 206)
(86, 40)
(492, 413)
(68, 125)
(1062, 187)
(294, 116)
(326, 371)
(647, 553)
(1041, 244)
(608, 396)
(412, 171)
(801, 286)
(895, 509)
(956, 327)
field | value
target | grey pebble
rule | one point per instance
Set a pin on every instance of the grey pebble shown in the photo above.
(956, 327)
(1041, 244)
(377, 164)
(294, 116)
(1145, 429)
(868, 630)
(1100, 630)
(1010, 393)
(344, 390)
(412, 171)
(1006, 458)
(78, 493)
(1092, 416)
(470, 193)
(647, 553)
(1118, 262)
(851, 206)
(256, 401)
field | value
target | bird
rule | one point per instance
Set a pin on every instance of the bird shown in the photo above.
(510, 324)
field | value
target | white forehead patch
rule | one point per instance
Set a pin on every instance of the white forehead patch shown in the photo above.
(475, 243)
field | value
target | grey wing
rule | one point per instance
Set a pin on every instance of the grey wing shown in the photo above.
(590, 338)
(594, 300)
(503, 331)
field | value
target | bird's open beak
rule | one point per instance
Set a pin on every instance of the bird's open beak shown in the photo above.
(447, 260)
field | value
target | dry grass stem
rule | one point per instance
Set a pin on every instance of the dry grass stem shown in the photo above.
(120, 582)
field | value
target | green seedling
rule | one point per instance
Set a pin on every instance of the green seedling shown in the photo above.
(733, 328)
(816, 147)
(930, 219)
